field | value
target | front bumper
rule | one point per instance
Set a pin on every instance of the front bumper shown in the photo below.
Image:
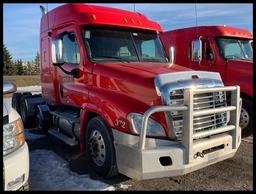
(16, 165)
(145, 164)
(139, 157)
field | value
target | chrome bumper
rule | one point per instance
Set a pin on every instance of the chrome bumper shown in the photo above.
(140, 157)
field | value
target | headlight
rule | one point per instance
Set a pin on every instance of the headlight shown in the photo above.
(13, 136)
(153, 129)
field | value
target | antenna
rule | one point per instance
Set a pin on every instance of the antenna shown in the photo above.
(196, 18)
(196, 13)
(43, 11)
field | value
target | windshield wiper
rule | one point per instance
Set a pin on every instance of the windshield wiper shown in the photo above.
(113, 57)
(153, 60)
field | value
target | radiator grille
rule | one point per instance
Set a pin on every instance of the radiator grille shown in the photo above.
(201, 101)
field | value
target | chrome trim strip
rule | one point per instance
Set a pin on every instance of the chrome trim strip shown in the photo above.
(212, 111)
(215, 131)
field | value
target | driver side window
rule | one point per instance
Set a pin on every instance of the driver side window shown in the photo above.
(71, 52)
(67, 48)
(207, 51)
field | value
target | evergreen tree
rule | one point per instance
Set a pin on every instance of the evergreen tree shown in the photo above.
(19, 67)
(36, 64)
(8, 66)
(37, 59)
(29, 68)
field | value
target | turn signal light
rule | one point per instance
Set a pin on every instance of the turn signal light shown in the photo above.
(125, 20)
(93, 17)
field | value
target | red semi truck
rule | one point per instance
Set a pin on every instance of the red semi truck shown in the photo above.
(222, 49)
(108, 87)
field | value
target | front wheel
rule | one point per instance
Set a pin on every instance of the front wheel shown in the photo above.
(100, 148)
(246, 117)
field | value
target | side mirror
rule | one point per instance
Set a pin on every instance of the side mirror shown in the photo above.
(196, 50)
(57, 52)
(9, 87)
(171, 54)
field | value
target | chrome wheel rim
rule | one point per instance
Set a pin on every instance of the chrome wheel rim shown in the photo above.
(244, 118)
(97, 148)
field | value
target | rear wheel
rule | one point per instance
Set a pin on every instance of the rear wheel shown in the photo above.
(23, 111)
(100, 148)
(16, 101)
(246, 117)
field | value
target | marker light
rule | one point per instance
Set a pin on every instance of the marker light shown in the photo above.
(93, 17)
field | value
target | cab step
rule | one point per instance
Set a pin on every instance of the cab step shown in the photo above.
(62, 137)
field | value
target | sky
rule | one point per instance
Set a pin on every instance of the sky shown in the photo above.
(22, 21)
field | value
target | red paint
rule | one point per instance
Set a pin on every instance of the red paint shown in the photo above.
(233, 72)
(111, 90)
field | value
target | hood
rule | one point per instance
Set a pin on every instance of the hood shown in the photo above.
(122, 88)
(152, 69)
(135, 80)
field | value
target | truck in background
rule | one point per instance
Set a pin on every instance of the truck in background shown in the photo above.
(15, 149)
(222, 49)
(107, 86)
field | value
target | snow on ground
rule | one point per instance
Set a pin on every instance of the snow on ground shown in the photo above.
(48, 171)
(248, 139)
(35, 88)
(123, 186)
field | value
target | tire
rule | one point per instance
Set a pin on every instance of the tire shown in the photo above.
(246, 117)
(99, 142)
(23, 113)
(16, 101)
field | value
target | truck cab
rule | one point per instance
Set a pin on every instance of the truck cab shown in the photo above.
(109, 87)
(222, 49)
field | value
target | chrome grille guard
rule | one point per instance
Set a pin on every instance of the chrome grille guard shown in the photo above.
(189, 113)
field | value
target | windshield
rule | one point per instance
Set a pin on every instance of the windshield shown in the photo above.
(233, 48)
(123, 45)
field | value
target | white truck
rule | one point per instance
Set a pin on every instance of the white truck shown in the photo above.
(15, 148)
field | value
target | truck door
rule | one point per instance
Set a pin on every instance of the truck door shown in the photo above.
(201, 54)
(73, 90)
